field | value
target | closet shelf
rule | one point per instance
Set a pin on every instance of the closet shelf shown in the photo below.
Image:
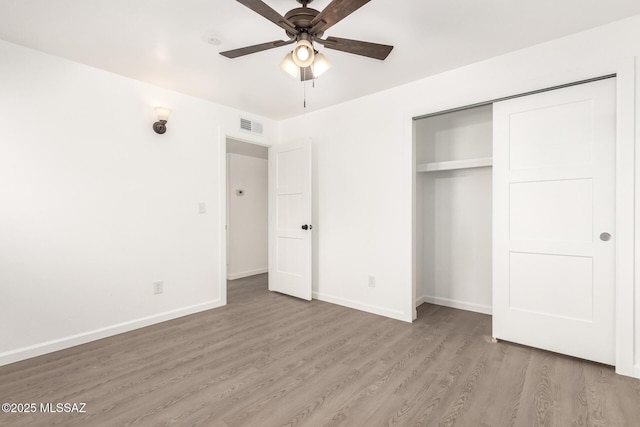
(454, 164)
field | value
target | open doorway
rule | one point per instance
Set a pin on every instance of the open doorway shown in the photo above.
(247, 219)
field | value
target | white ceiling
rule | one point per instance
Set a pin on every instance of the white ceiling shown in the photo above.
(164, 42)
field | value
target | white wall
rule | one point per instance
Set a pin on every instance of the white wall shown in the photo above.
(248, 216)
(360, 222)
(456, 239)
(95, 207)
(364, 161)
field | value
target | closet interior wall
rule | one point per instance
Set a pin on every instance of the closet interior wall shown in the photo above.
(454, 209)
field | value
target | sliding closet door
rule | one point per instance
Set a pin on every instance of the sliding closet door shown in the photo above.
(554, 220)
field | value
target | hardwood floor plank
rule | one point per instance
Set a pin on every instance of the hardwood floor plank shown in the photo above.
(267, 360)
(440, 395)
(410, 386)
(458, 405)
(326, 400)
(608, 404)
(571, 400)
(502, 383)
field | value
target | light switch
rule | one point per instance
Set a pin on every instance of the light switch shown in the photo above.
(202, 207)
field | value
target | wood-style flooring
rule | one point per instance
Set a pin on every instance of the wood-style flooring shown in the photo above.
(266, 360)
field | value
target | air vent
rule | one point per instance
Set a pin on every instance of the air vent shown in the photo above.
(250, 126)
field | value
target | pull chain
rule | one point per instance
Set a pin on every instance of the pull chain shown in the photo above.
(304, 86)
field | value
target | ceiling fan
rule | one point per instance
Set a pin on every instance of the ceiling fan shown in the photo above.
(304, 26)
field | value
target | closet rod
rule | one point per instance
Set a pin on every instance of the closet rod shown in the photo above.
(533, 92)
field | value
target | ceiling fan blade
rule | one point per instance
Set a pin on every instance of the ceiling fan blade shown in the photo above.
(266, 11)
(372, 50)
(255, 48)
(334, 13)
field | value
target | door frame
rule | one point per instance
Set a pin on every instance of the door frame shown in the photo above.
(223, 201)
(627, 183)
(627, 268)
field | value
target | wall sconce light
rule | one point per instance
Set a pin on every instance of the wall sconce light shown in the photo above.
(160, 126)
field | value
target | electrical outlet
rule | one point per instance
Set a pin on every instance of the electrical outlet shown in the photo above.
(372, 281)
(158, 287)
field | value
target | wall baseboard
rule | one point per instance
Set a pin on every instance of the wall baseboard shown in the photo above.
(234, 276)
(462, 305)
(381, 311)
(85, 337)
(632, 371)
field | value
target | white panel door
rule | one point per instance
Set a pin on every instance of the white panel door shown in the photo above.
(290, 235)
(554, 220)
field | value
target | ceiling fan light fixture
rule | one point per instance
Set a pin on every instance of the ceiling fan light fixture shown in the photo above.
(304, 26)
(320, 64)
(303, 54)
(289, 66)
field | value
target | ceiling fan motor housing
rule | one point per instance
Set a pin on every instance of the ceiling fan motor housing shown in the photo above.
(301, 18)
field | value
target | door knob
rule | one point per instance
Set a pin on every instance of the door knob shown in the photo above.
(605, 237)
(307, 227)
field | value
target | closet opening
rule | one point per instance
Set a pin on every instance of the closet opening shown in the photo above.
(453, 156)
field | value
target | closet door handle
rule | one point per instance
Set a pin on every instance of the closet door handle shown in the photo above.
(605, 237)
